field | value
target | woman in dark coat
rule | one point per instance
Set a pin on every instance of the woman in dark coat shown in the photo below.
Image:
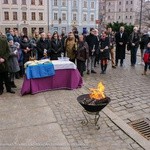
(56, 46)
(104, 52)
(82, 54)
(26, 48)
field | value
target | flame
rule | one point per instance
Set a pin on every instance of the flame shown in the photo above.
(98, 93)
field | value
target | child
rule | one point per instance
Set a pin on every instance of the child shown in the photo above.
(146, 58)
(20, 59)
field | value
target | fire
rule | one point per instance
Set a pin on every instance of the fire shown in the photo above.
(98, 93)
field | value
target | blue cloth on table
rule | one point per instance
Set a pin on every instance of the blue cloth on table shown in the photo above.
(40, 71)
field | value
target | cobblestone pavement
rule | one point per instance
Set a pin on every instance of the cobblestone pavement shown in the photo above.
(129, 93)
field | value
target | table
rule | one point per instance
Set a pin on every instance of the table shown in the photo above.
(63, 79)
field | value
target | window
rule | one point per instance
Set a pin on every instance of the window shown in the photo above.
(92, 5)
(41, 30)
(63, 2)
(5, 1)
(92, 17)
(131, 2)
(126, 2)
(85, 4)
(14, 1)
(23, 2)
(24, 16)
(109, 3)
(33, 16)
(6, 15)
(64, 16)
(40, 16)
(84, 17)
(15, 17)
(130, 17)
(40, 2)
(126, 17)
(74, 17)
(55, 3)
(32, 2)
(119, 3)
(130, 9)
(119, 17)
(108, 17)
(74, 3)
(126, 9)
(108, 10)
(55, 16)
(33, 29)
(119, 10)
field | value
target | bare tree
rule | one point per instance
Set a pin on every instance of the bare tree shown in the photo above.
(146, 14)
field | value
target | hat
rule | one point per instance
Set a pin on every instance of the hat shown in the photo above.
(9, 38)
(16, 44)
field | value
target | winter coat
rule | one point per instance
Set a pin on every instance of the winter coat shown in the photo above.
(4, 53)
(56, 49)
(70, 48)
(105, 53)
(120, 49)
(144, 41)
(91, 41)
(41, 45)
(133, 38)
(23, 46)
(13, 64)
(82, 51)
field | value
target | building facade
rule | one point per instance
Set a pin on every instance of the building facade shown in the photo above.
(48, 15)
(23, 15)
(65, 14)
(125, 11)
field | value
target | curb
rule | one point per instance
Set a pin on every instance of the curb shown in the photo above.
(127, 129)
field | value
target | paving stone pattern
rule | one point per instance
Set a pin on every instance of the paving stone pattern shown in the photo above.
(42, 114)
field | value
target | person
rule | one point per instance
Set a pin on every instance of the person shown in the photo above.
(146, 58)
(82, 54)
(143, 44)
(4, 54)
(133, 45)
(13, 65)
(43, 47)
(121, 41)
(91, 40)
(56, 46)
(104, 52)
(111, 37)
(70, 46)
(25, 45)
(97, 51)
(49, 36)
(20, 59)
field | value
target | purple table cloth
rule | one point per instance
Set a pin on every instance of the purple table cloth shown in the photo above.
(63, 79)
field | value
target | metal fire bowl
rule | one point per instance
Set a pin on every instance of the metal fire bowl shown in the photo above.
(93, 108)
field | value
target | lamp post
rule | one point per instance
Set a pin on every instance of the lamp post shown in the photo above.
(48, 15)
(140, 22)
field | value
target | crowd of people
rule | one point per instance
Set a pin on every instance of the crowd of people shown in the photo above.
(85, 50)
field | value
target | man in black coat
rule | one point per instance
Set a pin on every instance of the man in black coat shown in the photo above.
(91, 40)
(4, 55)
(43, 47)
(121, 41)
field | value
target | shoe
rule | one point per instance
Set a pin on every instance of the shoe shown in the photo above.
(11, 91)
(13, 85)
(114, 67)
(92, 71)
(1, 92)
(88, 72)
(121, 65)
(102, 72)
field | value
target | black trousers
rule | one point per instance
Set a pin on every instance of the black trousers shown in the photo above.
(4, 79)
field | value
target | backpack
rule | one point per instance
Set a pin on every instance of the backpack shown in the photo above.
(146, 58)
